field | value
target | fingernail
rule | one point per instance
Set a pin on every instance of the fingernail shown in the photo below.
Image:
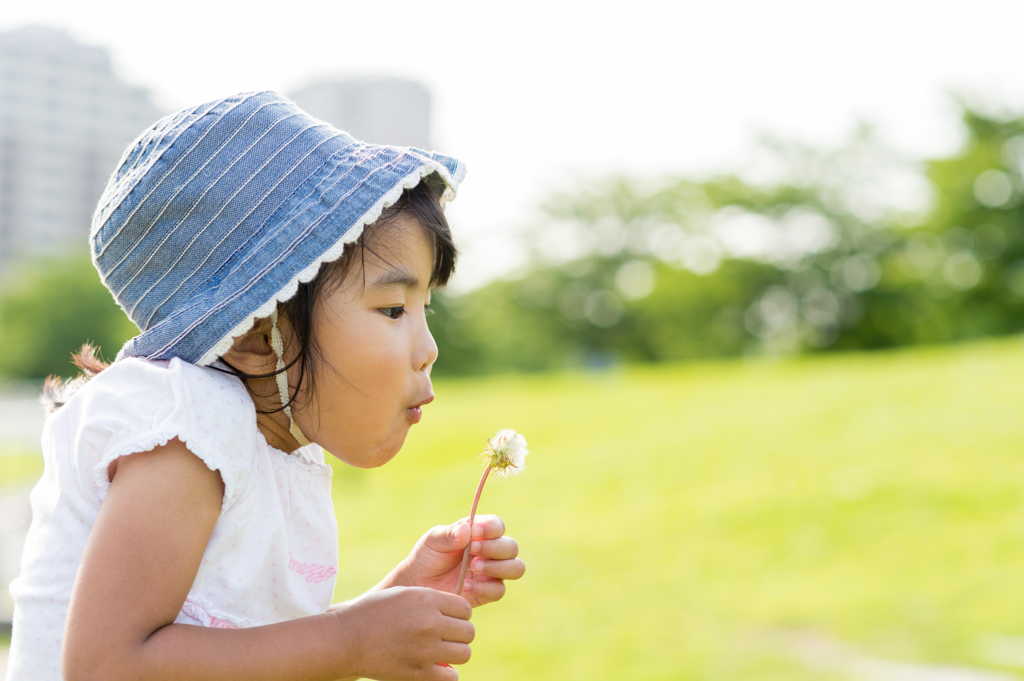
(478, 531)
(475, 548)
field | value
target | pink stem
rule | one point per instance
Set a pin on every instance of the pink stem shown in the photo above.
(472, 515)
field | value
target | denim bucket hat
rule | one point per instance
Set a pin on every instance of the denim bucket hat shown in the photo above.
(217, 213)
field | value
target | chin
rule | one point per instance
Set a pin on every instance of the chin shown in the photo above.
(380, 455)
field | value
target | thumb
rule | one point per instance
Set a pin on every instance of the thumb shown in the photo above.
(445, 538)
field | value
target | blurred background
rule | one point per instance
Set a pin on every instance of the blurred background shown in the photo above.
(749, 277)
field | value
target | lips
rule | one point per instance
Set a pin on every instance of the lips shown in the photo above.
(415, 412)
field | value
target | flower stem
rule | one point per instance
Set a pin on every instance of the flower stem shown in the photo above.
(472, 515)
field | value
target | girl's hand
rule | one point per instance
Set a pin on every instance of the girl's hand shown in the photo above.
(406, 633)
(437, 557)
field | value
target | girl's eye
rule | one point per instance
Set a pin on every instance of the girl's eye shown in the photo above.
(393, 312)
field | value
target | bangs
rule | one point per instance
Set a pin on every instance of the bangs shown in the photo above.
(422, 202)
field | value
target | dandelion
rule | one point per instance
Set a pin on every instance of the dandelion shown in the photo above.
(505, 455)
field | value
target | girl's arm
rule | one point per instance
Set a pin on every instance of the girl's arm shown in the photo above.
(139, 564)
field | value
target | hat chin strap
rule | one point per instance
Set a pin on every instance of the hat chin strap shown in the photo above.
(282, 381)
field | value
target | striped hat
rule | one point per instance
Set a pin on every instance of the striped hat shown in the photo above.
(217, 213)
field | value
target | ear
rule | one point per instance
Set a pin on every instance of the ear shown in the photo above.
(252, 352)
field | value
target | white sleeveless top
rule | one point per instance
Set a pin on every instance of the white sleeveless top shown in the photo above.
(273, 554)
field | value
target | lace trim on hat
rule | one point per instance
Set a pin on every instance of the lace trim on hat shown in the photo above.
(335, 251)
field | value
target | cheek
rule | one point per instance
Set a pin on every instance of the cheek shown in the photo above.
(372, 363)
(360, 369)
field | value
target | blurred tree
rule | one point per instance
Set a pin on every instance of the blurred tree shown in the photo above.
(48, 310)
(808, 249)
(961, 273)
(683, 270)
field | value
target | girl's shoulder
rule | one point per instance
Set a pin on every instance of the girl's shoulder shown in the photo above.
(142, 383)
(135, 405)
(136, 372)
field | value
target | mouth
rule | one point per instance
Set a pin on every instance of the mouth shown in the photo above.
(415, 412)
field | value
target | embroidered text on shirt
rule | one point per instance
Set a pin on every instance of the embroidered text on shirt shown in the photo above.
(314, 572)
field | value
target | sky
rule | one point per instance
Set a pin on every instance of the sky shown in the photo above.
(544, 96)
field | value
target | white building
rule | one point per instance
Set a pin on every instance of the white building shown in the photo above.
(65, 120)
(377, 110)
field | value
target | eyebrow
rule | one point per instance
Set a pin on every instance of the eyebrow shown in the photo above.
(395, 277)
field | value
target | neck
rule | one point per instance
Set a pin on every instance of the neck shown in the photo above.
(275, 429)
(273, 424)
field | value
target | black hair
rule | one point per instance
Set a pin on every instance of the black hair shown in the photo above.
(422, 202)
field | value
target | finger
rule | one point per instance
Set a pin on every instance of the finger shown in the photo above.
(503, 548)
(453, 653)
(457, 631)
(499, 569)
(453, 606)
(485, 590)
(447, 538)
(488, 527)
(441, 672)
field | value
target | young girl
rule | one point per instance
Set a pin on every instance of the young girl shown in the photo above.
(183, 528)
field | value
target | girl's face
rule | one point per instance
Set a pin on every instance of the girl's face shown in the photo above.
(378, 351)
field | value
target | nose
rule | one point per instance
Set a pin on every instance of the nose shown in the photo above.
(426, 350)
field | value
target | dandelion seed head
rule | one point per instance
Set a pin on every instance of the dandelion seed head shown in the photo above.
(506, 453)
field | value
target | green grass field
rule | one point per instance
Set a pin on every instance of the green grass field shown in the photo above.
(19, 468)
(677, 520)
